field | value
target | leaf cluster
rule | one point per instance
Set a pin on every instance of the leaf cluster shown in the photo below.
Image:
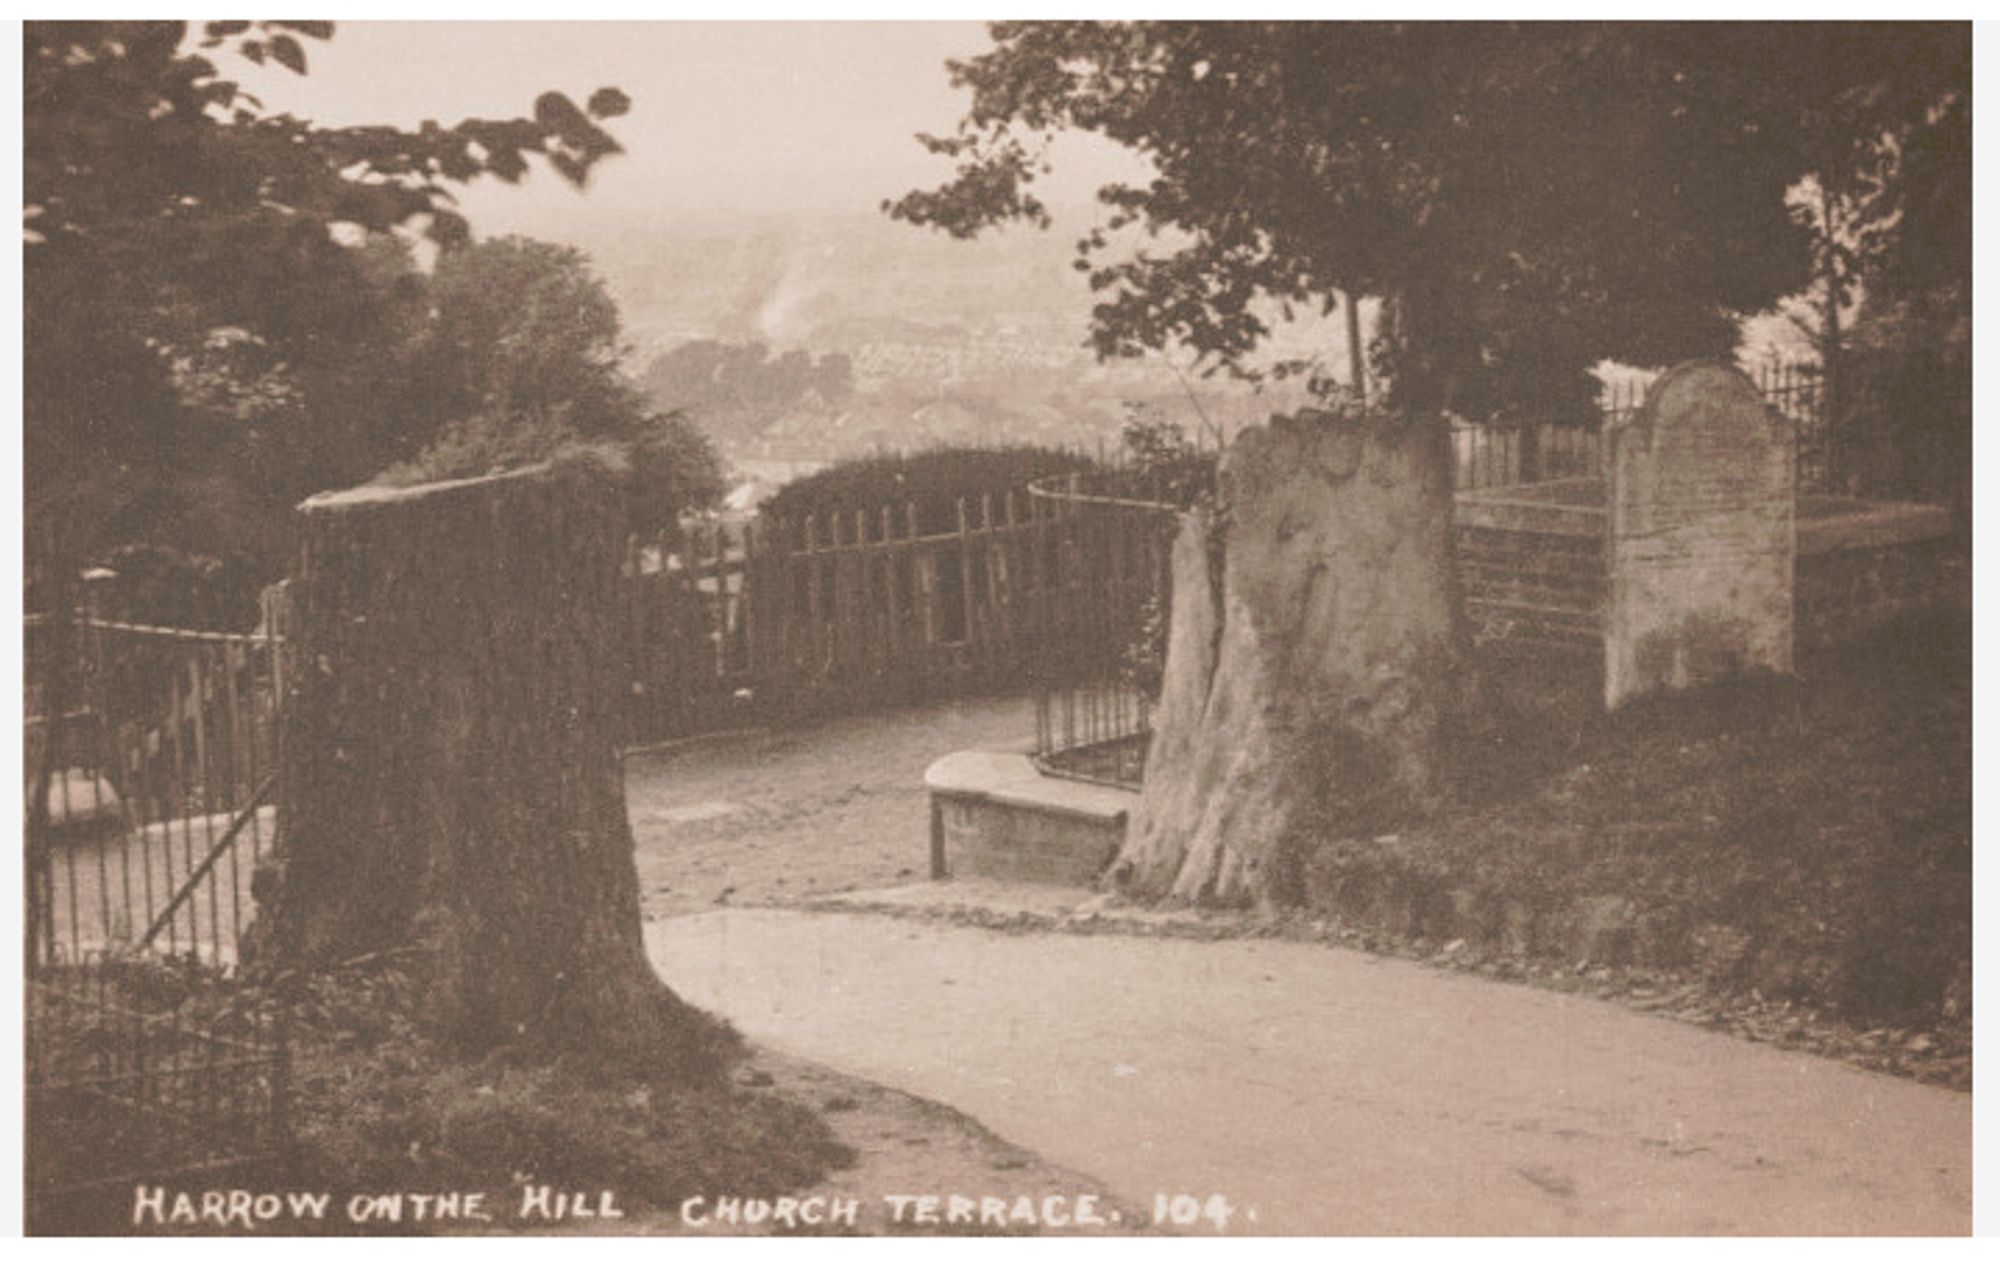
(196, 311)
(1529, 197)
(125, 123)
(223, 313)
(519, 361)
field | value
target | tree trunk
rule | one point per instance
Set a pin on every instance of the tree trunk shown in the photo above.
(450, 776)
(1357, 356)
(1307, 686)
(1831, 348)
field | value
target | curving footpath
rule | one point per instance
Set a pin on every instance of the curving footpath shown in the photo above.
(1334, 1093)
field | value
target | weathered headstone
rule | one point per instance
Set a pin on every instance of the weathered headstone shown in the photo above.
(1703, 536)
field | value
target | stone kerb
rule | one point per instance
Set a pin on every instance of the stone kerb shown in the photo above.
(993, 814)
(1702, 535)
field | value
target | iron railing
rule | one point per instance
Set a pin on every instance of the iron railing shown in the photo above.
(152, 756)
(1494, 455)
(1102, 628)
(140, 1071)
(1103, 635)
(159, 789)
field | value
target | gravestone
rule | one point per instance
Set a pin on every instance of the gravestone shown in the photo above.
(1703, 536)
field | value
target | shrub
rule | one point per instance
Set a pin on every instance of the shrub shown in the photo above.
(1163, 465)
(664, 466)
(934, 481)
(161, 585)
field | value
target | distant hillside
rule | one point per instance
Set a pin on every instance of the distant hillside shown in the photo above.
(819, 282)
(804, 338)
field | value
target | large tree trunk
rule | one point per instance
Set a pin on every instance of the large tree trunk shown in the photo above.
(1307, 684)
(450, 776)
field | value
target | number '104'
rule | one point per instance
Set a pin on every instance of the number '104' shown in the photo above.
(1181, 1209)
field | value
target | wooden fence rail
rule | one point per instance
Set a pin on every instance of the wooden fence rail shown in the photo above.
(730, 621)
(735, 621)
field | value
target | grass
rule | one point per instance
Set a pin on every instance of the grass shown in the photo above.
(379, 1106)
(1809, 839)
(376, 1107)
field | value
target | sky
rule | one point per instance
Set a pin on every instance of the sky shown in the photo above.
(728, 119)
(726, 116)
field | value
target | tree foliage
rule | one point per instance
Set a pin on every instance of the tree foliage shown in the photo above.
(1883, 127)
(934, 481)
(735, 390)
(1527, 198)
(190, 301)
(521, 358)
(1906, 417)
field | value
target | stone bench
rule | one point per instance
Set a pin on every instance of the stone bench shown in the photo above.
(993, 814)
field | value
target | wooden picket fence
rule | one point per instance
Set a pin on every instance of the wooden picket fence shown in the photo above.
(738, 622)
(734, 622)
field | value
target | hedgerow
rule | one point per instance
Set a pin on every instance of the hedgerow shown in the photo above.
(934, 481)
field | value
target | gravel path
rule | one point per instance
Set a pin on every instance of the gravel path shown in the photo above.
(772, 816)
(1335, 1092)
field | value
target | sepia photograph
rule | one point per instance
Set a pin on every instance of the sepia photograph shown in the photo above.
(958, 628)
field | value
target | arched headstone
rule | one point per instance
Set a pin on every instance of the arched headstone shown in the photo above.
(1703, 535)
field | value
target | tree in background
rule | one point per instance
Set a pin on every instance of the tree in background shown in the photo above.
(205, 278)
(176, 229)
(1905, 426)
(268, 421)
(1525, 200)
(1529, 199)
(737, 390)
(523, 329)
(1881, 124)
(521, 361)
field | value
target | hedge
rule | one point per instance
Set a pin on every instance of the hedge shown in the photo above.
(934, 480)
